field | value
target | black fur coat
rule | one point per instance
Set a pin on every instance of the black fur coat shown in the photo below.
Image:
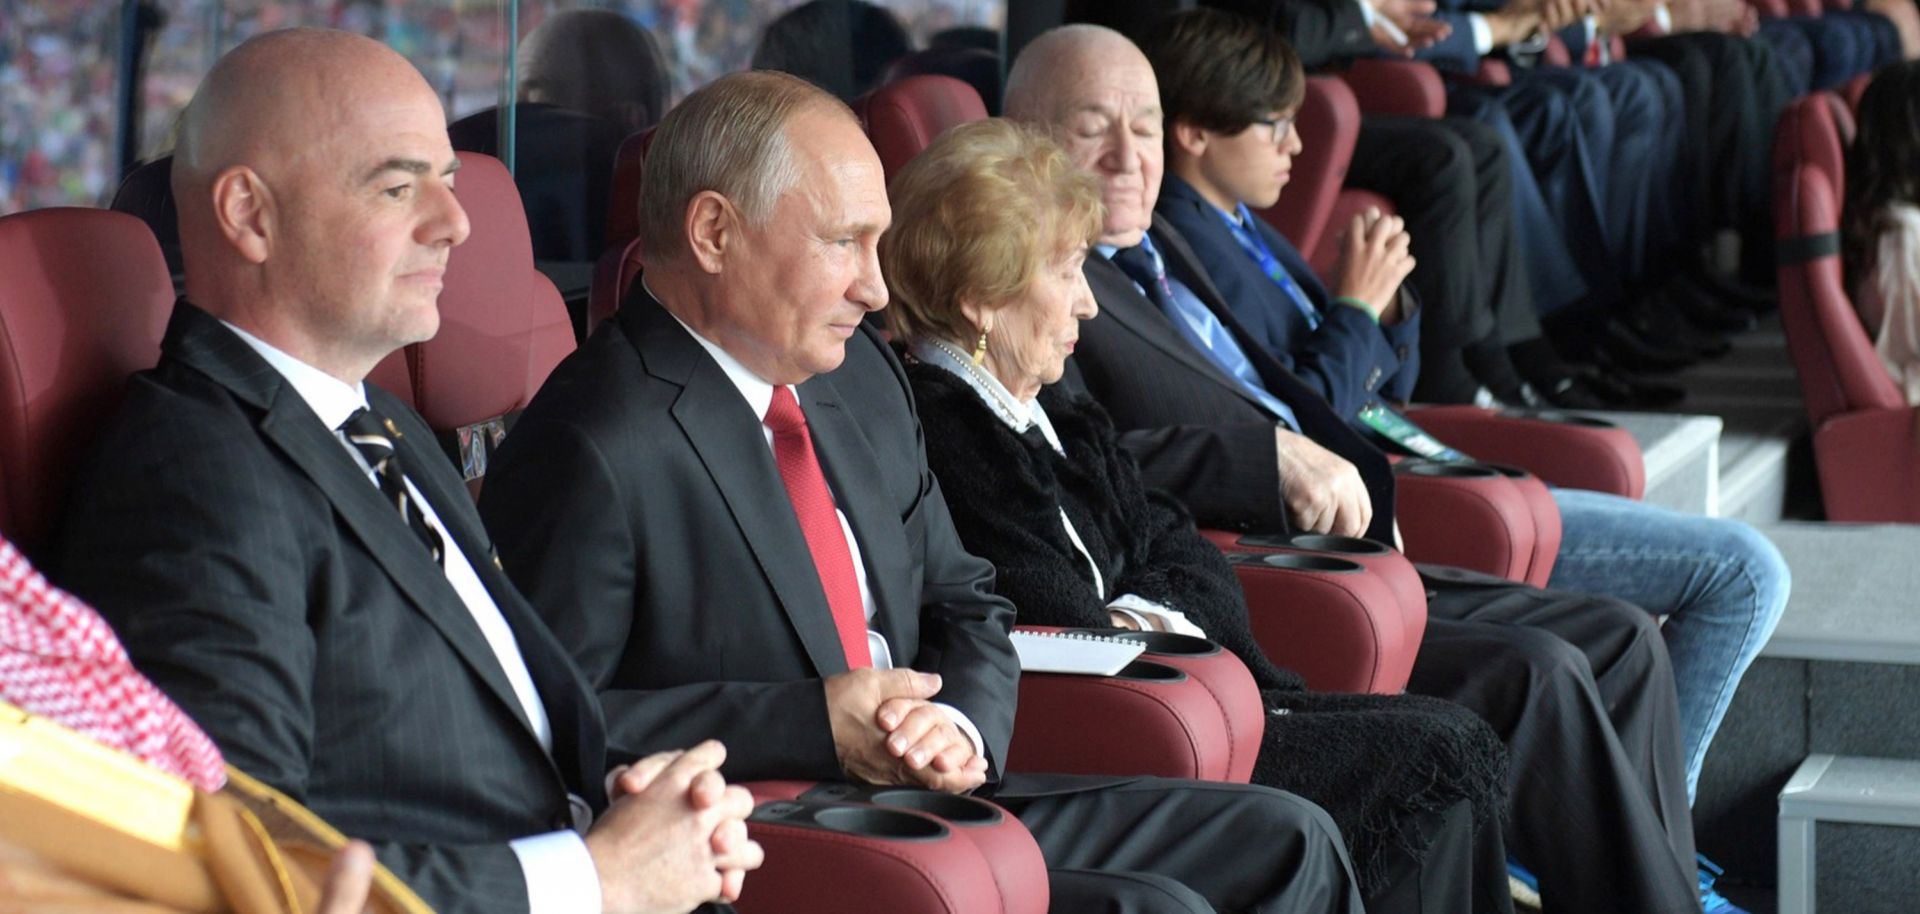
(1372, 761)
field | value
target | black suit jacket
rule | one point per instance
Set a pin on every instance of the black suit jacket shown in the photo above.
(1195, 431)
(638, 504)
(1350, 359)
(1321, 31)
(261, 579)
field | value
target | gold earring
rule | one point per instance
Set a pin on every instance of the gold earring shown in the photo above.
(980, 348)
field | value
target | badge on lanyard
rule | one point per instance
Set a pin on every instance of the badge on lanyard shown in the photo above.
(1400, 431)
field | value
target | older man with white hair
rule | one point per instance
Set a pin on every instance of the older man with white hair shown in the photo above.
(1580, 687)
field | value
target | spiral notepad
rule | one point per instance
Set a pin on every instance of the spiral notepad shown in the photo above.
(1074, 652)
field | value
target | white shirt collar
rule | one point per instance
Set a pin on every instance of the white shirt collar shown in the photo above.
(757, 390)
(1018, 415)
(330, 398)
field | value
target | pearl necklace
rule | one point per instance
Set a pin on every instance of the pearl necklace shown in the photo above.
(985, 383)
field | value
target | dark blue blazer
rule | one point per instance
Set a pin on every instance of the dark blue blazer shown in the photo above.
(1350, 360)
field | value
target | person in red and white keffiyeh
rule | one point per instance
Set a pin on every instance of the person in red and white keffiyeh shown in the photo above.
(60, 660)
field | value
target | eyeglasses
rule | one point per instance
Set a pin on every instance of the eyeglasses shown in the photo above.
(1277, 128)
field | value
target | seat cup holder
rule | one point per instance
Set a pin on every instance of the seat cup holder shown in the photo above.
(1343, 545)
(952, 809)
(1298, 561)
(1446, 470)
(1148, 671)
(865, 821)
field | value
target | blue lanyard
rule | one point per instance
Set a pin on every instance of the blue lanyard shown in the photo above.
(1256, 248)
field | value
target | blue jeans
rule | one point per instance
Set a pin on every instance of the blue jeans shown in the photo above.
(1720, 584)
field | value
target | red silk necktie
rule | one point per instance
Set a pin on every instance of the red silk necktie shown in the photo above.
(813, 505)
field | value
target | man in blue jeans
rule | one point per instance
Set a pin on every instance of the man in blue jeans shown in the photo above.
(1229, 142)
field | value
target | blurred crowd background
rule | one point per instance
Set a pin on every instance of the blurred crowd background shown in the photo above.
(61, 64)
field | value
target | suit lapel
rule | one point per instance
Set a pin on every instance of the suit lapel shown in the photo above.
(572, 715)
(200, 341)
(727, 438)
(851, 469)
(1125, 304)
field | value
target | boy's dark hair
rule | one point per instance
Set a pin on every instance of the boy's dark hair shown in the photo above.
(1883, 165)
(1222, 71)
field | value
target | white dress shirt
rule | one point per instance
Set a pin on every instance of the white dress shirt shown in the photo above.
(759, 397)
(560, 874)
(1020, 415)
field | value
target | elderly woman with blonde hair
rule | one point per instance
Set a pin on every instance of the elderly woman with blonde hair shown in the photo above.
(990, 227)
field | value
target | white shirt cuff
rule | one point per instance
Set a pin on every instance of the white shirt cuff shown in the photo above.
(1367, 13)
(559, 873)
(966, 726)
(1663, 18)
(1482, 34)
(1143, 609)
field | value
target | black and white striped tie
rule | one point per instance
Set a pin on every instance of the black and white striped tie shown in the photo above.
(373, 435)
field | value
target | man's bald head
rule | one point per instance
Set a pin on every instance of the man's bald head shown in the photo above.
(313, 180)
(1050, 63)
(1096, 91)
(268, 98)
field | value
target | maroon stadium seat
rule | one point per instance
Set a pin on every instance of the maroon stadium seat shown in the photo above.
(503, 327)
(84, 300)
(1866, 439)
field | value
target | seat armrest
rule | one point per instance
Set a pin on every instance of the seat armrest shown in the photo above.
(1381, 560)
(1466, 515)
(1166, 719)
(1565, 449)
(829, 856)
(1870, 465)
(1411, 88)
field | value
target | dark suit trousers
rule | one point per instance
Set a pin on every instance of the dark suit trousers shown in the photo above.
(1453, 182)
(1464, 870)
(1581, 690)
(1188, 847)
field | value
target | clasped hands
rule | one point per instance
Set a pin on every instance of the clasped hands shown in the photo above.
(675, 835)
(887, 731)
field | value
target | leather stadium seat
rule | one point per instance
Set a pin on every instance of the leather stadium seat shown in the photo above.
(1346, 614)
(1866, 439)
(1565, 449)
(503, 327)
(913, 851)
(979, 68)
(1191, 710)
(904, 117)
(623, 192)
(1466, 515)
(84, 300)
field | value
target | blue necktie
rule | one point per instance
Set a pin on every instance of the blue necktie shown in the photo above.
(1199, 324)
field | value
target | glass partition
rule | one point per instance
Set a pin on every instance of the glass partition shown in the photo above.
(66, 136)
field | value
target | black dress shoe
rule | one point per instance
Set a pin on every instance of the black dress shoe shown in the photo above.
(1656, 319)
(1619, 345)
(1624, 390)
(1571, 392)
(1708, 310)
(1736, 292)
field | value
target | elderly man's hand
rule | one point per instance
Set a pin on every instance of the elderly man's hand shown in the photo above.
(675, 837)
(1323, 493)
